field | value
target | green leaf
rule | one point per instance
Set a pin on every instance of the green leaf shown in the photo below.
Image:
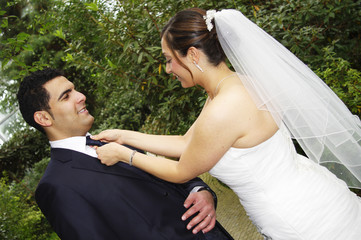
(22, 36)
(5, 23)
(140, 58)
(112, 65)
(67, 58)
(59, 33)
(29, 48)
(92, 6)
(126, 45)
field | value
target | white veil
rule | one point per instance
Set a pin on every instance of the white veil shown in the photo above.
(279, 82)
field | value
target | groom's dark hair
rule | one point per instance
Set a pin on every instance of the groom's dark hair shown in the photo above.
(33, 97)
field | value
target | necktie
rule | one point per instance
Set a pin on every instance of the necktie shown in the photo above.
(92, 142)
(98, 143)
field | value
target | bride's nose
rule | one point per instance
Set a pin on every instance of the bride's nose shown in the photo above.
(168, 69)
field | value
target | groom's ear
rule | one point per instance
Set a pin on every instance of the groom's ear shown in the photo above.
(43, 118)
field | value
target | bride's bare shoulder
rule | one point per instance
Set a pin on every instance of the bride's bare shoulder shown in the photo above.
(234, 91)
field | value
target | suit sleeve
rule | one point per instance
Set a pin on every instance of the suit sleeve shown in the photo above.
(68, 213)
(197, 182)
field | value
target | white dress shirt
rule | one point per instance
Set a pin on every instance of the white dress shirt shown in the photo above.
(75, 144)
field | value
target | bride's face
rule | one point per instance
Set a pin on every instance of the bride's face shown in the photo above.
(175, 68)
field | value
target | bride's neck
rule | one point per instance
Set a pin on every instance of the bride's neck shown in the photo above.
(213, 78)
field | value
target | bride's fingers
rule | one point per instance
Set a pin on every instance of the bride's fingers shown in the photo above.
(110, 135)
(95, 137)
(102, 137)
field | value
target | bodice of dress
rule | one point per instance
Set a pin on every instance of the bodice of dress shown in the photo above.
(286, 195)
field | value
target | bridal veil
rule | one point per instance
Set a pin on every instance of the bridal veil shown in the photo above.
(296, 97)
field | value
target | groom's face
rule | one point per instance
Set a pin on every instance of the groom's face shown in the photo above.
(69, 114)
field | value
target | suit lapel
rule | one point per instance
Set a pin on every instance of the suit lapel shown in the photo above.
(82, 161)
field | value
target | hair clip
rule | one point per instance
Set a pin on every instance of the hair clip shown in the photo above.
(209, 17)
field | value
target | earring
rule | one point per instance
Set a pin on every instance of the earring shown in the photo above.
(199, 67)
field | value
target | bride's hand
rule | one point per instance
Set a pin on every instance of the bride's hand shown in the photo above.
(111, 135)
(112, 153)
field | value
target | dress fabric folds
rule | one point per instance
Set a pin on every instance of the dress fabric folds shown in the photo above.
(286, 195)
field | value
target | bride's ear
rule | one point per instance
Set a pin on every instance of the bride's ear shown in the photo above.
(193, 54)
(43, 118)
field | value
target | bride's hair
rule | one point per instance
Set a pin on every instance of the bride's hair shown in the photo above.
(188, 29)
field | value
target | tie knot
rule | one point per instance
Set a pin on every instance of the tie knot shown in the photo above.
(98, 143)
(92, 142)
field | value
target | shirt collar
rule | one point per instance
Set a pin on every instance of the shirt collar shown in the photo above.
(76, 144)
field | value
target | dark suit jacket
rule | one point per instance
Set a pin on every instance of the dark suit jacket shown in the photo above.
(84, 199)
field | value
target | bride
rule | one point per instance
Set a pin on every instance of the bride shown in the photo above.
(243, 136)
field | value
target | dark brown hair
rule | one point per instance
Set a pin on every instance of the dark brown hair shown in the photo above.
(188, 29)
(32, 96)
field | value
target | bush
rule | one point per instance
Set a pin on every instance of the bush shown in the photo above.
(343, 80)
(20, 217)
(25, 148)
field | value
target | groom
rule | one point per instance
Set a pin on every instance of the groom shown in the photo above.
(84, 199)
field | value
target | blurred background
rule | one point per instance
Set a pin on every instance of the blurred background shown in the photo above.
(111, 51)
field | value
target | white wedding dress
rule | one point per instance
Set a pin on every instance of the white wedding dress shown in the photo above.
(288, 196)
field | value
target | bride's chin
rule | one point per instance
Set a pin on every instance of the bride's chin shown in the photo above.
(185, 85)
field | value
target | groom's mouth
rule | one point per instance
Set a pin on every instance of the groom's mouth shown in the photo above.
(83, 110)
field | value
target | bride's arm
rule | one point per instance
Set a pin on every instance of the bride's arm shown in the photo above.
(170, 170)
(213, 134)
(164, 145)
(215, 131)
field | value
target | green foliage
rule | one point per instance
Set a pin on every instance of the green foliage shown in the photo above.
(24, 149)
(308, 26)
(17, 219)
(126, 111)
(19, 216)
(22, 49)
(344, 80)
